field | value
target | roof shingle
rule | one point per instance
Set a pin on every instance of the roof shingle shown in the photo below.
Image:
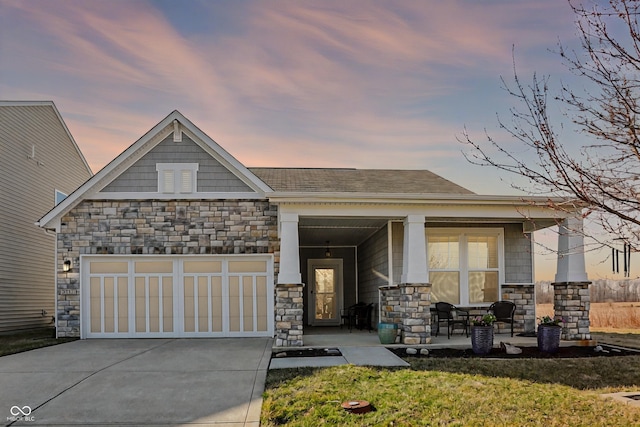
(381, 181)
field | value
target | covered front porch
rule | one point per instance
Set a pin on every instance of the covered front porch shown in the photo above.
(321, 337)
(334, 257)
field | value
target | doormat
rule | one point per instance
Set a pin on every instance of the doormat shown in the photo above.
(308, 352)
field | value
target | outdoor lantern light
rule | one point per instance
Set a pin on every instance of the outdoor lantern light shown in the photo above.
(327, 252)
(66, 266)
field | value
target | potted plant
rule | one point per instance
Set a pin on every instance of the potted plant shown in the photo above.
(549, 331)
(482, 333)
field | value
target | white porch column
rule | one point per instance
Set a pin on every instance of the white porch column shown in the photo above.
(289, 250)
(414, 258)
(571, 266)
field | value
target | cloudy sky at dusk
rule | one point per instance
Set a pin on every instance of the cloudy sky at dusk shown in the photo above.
(366, 84)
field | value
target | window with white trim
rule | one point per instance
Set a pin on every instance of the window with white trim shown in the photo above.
(465, 265)
(177, 178)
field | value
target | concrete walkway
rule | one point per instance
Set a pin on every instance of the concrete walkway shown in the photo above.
(358, 355)
(137, 382)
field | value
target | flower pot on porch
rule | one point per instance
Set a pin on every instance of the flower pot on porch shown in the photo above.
(482, 339)
(549, 338)
(387, 333)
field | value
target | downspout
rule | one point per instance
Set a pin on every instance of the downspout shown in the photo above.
(55, 275)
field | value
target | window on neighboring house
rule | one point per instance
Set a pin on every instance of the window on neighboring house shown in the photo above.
(176, 178)
(60, 196)
(465, 265)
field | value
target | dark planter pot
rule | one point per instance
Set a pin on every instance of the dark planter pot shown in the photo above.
(549, 338)
(482, 339)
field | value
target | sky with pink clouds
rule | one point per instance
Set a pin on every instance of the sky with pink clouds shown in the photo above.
(366, 84)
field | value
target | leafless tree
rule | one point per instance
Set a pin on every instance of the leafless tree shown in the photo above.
(604, 174)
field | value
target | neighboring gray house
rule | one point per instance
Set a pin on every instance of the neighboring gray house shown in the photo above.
(40, 164)
(176, 238)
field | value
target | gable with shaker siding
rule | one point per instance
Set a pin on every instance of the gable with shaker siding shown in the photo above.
(142, 176)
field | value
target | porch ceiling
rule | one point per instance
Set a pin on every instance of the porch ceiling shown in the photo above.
(316, 231)
(337, 231)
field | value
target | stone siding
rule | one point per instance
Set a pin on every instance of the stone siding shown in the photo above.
(127, 227)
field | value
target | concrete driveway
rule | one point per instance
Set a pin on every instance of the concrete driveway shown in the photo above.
(136, 382)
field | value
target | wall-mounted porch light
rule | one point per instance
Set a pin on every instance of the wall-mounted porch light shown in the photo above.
(66, 266)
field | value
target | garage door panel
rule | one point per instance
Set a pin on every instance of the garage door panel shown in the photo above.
(216, 304)
(96, 304)
(140, 314)
(202, 266)
(203, 304)
(247, 266)
(247, 306)
(109, 304)
(178, 296)
(189, 305)
(167, 304)
(234, 304)
(154, 304)
(123, 304)
(261, 303)
(121, 267)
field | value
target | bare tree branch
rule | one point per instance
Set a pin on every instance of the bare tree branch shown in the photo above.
(604, 173)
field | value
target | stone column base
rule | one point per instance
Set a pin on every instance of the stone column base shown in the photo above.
(525, 316)
(408, 305)
(289, 311)
(571, 303)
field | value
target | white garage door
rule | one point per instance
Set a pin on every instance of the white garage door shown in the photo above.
(190, 296)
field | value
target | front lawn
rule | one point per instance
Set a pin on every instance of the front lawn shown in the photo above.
(525, 392)
(17, 342)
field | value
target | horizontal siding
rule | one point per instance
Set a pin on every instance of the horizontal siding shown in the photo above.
(143, 177)
(27, 189)
(397, 241)
(373, 269)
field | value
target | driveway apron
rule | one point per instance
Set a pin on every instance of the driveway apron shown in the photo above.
(136, 382)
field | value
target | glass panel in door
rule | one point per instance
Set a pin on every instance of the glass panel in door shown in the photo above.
(325, 293)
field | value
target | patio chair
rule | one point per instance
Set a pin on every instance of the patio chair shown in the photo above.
(363, 316)
(349, 315)
(452, 316)
(504, 312)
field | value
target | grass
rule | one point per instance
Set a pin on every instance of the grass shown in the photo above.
(624, 338)
(460, 392)
(456, 392)
(28, 340)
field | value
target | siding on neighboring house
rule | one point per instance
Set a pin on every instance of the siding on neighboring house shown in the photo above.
(373, 269)
(143, 177)
(27, 191)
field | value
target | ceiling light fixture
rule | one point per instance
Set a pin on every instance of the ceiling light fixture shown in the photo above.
(327, 252)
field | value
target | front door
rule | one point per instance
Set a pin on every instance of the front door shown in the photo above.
(325, 291)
